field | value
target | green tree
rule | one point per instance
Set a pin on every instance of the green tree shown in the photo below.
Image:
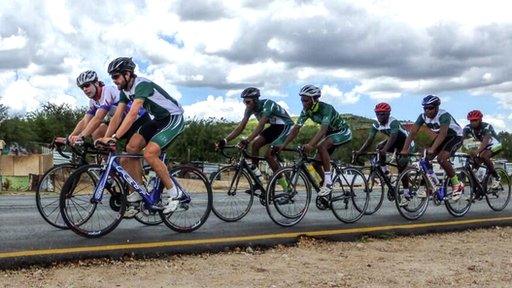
(197, 141)
(53, 120)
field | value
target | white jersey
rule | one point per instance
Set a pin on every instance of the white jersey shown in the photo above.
(108, 101)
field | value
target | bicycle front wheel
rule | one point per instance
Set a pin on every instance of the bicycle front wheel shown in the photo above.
(48, 193)
(86, 216)
(413, 207)
(233, 193)
(498, 195)
(376, 191)
(288, 204)
(350, 195)
(194, 210)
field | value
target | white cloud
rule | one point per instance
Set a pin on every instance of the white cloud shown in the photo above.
(332, 93)
(216, 107)
(499, 122)
(386, 48)
(13, 42)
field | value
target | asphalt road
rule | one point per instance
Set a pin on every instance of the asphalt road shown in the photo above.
(25, 238)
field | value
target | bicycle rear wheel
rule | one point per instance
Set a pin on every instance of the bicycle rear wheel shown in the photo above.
(460, 207)
(48, 193)
(84, 216)
(193, 212)
(350, 195)
(233, 193)
(498, 197)
(286, 206)
(147, 217)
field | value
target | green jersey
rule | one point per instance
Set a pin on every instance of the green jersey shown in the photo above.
(273, 111)
(442, 118)
(323, 114)
(156, 101)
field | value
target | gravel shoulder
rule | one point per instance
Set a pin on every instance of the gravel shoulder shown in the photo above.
(478, 258)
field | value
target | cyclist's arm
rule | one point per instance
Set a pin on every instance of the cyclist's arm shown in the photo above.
(116, 119)
(410, 138)
(485, 141)
(369, 140)
(258, 129)
(238, 129)
(293, 133)
(81, 125)
(94, 123)
(130, 118)
(443, 131)
(319, 135)
(391, 141)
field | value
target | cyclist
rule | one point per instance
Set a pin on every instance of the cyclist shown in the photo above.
(333, 133)
(395, 141)
(489, 143)
(102, 105)
(154, 135)
(448, 139)
(266, 112)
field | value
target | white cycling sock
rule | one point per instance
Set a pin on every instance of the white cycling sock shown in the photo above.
(327, 179)
(172, 192)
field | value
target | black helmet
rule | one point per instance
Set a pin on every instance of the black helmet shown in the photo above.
(121, 64)
(250, 92)
(431, 100)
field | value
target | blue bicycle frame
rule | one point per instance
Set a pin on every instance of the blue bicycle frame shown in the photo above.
(150, 198)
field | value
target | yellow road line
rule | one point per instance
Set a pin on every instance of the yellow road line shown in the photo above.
(226, 240)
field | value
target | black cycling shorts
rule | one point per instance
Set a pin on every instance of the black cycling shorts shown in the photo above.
(450, 144)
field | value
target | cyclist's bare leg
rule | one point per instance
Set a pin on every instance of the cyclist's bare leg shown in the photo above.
(323, 153)
(152, 156)
(133, 165)
(401, 164)
(272, 160)
(443, 159)
(256, 145)
(485, 156)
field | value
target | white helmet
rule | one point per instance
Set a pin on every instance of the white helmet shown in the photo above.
(310, 91)
(86, 77)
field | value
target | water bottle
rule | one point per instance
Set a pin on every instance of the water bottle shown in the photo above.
(256, 170)
(314, 174)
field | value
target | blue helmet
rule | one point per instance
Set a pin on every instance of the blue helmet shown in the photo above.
(431, 100)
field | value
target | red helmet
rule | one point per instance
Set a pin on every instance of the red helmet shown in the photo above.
(475, 115)
(382, 107)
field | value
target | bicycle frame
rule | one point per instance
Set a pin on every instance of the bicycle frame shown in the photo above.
(244, 165)
(301, 165)
(374, 162)
(150, 198)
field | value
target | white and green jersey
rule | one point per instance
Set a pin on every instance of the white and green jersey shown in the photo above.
(393, 126)
(442, 118)
(485, 129)
(273, 111)
(156, 101)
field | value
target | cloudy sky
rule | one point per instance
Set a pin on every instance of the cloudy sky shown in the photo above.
(204, 52)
